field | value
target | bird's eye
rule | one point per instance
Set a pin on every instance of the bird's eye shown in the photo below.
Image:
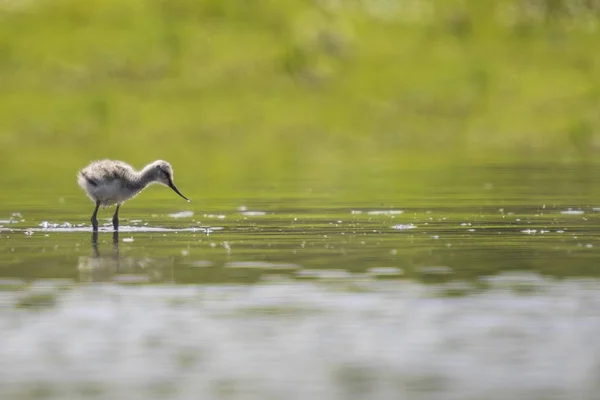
(163, 172)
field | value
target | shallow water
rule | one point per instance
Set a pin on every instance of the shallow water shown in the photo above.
(482, 284)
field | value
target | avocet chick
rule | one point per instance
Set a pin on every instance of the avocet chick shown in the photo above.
(109, 182)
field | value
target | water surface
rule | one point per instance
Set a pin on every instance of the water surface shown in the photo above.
(472, 286)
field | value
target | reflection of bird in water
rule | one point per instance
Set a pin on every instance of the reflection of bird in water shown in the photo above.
(113, 267)
(109, 182)
(98, 267)
(115, 244)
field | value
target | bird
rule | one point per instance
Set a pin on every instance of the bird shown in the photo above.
(110, 182)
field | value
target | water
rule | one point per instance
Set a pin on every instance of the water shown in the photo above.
(475, 284)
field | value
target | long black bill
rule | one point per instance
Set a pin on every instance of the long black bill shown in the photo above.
(172, 186)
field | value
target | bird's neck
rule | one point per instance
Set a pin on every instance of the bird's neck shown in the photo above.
(146, 176)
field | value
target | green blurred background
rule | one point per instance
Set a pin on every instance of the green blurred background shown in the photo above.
(237, 91)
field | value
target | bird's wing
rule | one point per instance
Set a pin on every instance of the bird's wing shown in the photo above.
(89, 179)
(105, 172)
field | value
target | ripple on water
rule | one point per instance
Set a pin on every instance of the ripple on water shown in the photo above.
(306, 340)
(253, 213)
(261, 265)
(12, 283)
(435, 270)
(323, 274)
(131, 279)
(572, 212)
(404, 227)
(385, 271)
(377, 212)
(46, 226)
(201, 264)
(182, 214)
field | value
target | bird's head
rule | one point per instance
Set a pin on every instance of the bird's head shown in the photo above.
(163, 173)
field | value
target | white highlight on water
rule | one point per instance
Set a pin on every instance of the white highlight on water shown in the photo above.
(300, 340)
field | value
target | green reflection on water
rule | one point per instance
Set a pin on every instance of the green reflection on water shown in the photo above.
(314, 117)
(458, 224)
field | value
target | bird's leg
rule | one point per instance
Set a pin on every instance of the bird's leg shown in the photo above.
(95, 243)
(94, 219)
(116, 218)
(116, 251)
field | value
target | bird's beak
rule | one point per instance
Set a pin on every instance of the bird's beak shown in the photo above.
(172, 186)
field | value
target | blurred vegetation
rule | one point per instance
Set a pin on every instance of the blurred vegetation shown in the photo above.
(235, 90)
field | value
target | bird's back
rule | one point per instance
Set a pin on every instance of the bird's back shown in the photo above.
(106, 171)
(108, 181)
